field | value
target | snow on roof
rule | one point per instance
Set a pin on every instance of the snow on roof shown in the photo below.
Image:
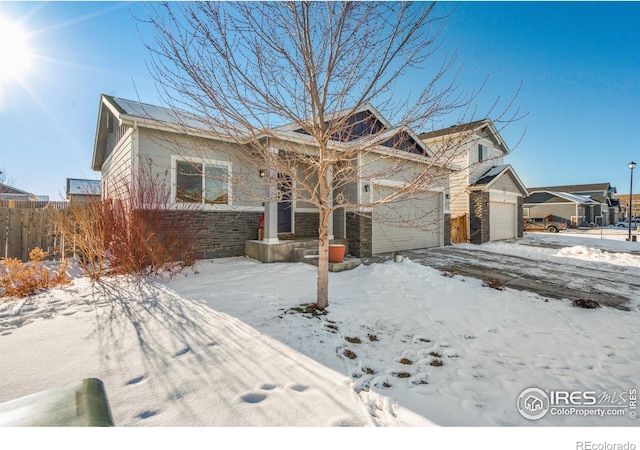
(582, 199)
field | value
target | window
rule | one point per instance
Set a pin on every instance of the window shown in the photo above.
(198, 182)
(483, 152)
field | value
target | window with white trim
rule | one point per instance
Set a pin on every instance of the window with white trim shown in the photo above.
(199, 182)
(483, 152)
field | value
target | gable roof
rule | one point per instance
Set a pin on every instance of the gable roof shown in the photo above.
(573, 188)
(535, 197)
(483, 125)
(380, 131)
(133, 113)
(6, 189)
(492, 175)
(582, 189)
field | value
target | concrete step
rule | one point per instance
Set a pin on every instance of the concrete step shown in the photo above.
(304, 253)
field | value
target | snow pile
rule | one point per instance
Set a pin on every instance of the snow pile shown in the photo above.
(597, 255)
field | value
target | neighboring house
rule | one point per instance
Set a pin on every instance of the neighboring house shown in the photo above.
(81, 191)
(596, 203)
(8, 193)
(623, 200)
(484, 192)
(132, 137)
(560, 206)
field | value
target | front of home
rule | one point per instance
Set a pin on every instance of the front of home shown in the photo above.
(238, 201)
(486, 195)
(577, 205)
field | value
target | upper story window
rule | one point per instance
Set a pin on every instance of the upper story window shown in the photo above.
(199, 182)
(483, 152)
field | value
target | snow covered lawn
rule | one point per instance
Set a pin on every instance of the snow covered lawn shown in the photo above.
(401, 344)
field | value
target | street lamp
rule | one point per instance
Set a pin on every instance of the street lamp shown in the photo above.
(632, 166)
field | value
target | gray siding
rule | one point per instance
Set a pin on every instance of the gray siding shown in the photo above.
(506, 183)
(559, 212)
(117, 170)
(156, 149)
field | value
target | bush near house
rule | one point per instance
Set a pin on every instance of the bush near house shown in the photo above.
(18, 279)
(135, 232)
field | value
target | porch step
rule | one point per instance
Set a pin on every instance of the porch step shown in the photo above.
(310, 256)
(302, 254)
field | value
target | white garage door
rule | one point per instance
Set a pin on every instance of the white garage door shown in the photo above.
(503, 221)
(407, 224)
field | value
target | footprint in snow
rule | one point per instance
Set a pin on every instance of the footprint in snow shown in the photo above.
(253, 397)
(184, 351)
(299, 387)
(146, 414)
(135, 380)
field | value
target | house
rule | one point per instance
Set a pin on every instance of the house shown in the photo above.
(623, 203)
(587, 204)
(560, 206)
(485, 194)
(81, 191)
(211, 170)
(9, 193)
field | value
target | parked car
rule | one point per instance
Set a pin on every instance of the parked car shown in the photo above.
(543, 224)
(625, 224)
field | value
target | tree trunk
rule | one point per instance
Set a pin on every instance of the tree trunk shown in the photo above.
(322, 300)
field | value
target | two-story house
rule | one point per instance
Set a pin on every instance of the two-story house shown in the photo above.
(485, 194)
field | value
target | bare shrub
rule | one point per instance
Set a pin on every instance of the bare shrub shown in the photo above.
(493, 283)
(18, 279)
(138, 231)
(585, 303)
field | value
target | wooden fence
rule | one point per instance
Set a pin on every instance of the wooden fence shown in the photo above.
(459, 229)
(27, 225)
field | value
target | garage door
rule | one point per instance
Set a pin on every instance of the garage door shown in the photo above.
(407, 224)
(503, 221)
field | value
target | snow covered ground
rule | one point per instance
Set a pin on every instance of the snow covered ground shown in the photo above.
(401, 344)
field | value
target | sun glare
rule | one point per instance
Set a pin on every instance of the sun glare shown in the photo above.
(15, 57)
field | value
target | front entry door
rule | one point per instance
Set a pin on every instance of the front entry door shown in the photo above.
(284, 204)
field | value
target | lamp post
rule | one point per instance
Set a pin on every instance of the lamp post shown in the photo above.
(632, 166)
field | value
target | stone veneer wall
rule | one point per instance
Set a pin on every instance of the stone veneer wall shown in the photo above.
(520, 217)
(447, 229)
(221, 233)
(306, 224)
(479, 217)
(359, 233)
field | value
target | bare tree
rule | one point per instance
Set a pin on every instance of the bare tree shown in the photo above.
(295, 84)
(5, 181)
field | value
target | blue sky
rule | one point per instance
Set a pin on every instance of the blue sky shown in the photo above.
(578, 62)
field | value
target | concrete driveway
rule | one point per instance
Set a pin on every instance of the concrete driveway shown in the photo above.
(609, 285)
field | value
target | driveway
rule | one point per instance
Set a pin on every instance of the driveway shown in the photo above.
(564, 278)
